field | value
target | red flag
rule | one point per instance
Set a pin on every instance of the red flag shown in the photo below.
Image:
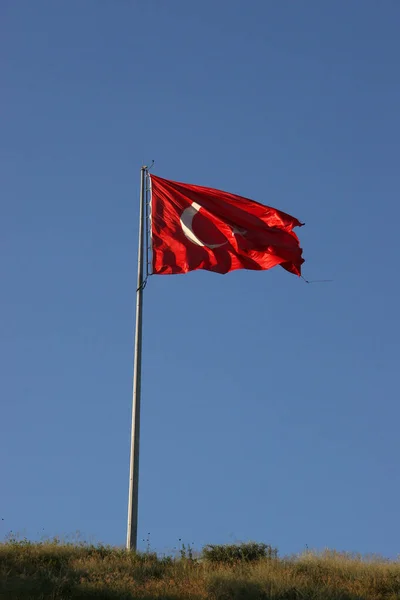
(195, 227)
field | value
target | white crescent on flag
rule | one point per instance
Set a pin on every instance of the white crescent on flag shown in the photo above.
(186, 221)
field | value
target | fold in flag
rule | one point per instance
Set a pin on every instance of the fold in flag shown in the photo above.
(195, 227)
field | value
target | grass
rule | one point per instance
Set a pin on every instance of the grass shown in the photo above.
(55, 571)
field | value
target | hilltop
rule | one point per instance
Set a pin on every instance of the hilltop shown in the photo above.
(56, 571)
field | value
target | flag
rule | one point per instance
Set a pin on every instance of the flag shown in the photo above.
(195, 227)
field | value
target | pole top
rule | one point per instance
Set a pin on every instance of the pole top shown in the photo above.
(146, 168)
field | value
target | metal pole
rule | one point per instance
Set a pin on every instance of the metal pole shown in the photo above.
(131, 538)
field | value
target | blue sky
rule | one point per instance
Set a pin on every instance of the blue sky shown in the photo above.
(270, 407)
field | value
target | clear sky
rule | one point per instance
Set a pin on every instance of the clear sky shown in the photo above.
(270, 407)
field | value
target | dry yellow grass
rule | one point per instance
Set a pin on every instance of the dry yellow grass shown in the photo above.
(63, 572)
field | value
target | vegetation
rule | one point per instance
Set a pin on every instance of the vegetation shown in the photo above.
(234, 553)
(51, 570)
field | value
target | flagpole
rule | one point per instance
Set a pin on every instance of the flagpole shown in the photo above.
(131, 538)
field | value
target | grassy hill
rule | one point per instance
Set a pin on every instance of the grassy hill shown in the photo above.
(56, 571)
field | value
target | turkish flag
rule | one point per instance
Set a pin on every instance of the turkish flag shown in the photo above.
(195, 227)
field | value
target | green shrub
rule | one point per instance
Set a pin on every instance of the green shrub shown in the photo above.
(231, 553)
